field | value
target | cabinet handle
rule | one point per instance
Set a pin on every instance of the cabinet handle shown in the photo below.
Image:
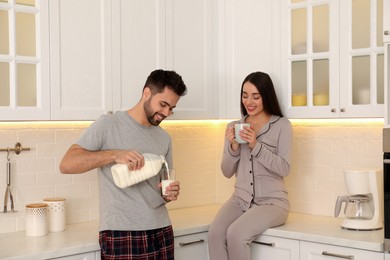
(333, 110)
(342, 110)
(264, 244)
(386, 33)
(338, 255)
(386, 161)
(192, 242)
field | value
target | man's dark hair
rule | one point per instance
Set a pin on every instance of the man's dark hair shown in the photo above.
(160, 79)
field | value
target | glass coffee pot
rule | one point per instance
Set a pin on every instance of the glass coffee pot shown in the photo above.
(356, 206)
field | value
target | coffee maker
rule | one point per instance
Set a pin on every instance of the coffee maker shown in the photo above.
(363, 204)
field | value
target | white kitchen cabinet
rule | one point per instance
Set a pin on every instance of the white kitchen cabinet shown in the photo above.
(192, 247)
(386, 20)
(387, 84)
(249, 40)
(166, 34)
(386, 39)
(317, 251)
(268, 247)
(80, 59)
(138, 41)
(332, 59)
(24, 60)
(84, 256)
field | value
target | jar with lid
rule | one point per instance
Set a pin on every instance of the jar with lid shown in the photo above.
(36, 219)
(56, 214)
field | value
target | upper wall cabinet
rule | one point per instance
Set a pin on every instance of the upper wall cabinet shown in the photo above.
(24, 60)
(138, 40)
(249, 41)
(165, 34)
(386, 39)
(80, 59)
(386, 21)
(332, 58)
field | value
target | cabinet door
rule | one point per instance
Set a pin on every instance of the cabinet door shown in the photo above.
(361, 59)
(189, 51)
(267, 247)
(310, 61)
(332, 55)
(24, 60)
(315, 251)
(167, 34)
(139, 40)
(191, 247)
(248, 42)
(84, 256)
(386, 20)
(97, 255)
(387, 84)
(80, 53)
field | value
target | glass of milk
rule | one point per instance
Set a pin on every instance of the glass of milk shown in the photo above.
(167, 177)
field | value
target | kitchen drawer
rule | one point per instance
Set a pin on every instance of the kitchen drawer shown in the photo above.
(192, 247)
(84, 256)
(317, 251)
(269, 247)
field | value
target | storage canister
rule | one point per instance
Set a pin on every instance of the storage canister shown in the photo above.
(36, 219)
(56, 214)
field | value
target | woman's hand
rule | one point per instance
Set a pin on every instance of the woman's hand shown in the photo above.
(248, 134)
(230, 136)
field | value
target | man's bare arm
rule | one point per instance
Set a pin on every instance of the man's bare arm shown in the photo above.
(79, 160)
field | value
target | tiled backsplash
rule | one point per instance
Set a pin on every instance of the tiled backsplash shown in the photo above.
(321, 151)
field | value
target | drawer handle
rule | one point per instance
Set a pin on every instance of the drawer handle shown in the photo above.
(386, 33)
(338, 255)
(264, 244)
(192, 242)
(386, 161)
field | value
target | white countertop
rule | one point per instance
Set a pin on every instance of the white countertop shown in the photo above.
(81, 238)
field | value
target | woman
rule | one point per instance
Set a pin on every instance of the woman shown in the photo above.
(260, 199)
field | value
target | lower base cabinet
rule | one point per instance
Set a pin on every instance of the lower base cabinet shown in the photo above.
(316, 251)
(192, 247)
(84, 256)
(269, 248)
(195, 247)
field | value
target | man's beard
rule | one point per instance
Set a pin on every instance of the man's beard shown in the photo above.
(150, 115)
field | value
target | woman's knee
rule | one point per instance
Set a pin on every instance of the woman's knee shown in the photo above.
(216, 233)
(235, 235)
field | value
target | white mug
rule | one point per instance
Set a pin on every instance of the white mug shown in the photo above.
(237, 129)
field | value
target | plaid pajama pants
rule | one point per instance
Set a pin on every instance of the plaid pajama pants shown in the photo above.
(154, 244)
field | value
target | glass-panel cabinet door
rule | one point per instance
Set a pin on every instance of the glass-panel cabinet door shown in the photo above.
(334, 58)
(361, 47)
(24, 60)
(312, 63)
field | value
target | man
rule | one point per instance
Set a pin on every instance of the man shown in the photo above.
(134, 222)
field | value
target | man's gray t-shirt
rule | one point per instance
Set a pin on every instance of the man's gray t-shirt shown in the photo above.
(138, 207)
